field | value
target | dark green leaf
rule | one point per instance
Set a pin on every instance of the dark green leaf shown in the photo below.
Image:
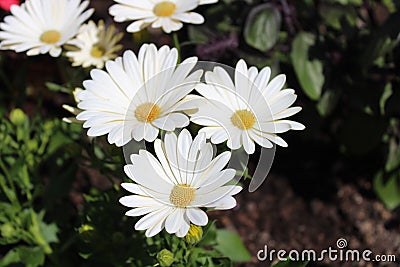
(57, 88)
(31, 256)
(393, 160)
(262, 27)
(230, 245)
(388, 192)
(308, 72)
(384, 40)
(387, 93)
(11, 257)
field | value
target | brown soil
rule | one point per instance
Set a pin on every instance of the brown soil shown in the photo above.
(276, 216)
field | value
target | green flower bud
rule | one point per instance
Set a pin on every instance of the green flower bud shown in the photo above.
(17, 117)
(194, 235)
(7, 230)
(165, 258)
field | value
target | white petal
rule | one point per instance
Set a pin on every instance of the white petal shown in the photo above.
(151, 132)
(287, 113)
(260, 140)
(142, 211)
(180, 120)
(135, 201)
(274, 86)
(224, 203)
(152, 219)
(190, 17)
(143, 172)
(223, 177)
(184, 228)
(164, 123)
(197, 216)
(174, 221)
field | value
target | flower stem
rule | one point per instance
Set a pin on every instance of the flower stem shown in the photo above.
(177, 45)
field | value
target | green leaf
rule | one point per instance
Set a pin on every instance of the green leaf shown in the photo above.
(262, 27)
(31, 256)
(42, 232)
(57, 88)
(49, 232)
(308, 72)
(11, 257)
(393, 160)
(388, 192)
(387, 93)
(381, 42)
(335, 15)
(230, 245)
(289, 263)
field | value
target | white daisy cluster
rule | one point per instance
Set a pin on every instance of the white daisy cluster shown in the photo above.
(136, 97)
(42, 26)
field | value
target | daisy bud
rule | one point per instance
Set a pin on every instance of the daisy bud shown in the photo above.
(194, 235)
(17, 117)
(165, 258)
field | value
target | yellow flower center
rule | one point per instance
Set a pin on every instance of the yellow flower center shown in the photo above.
(147, 112)
(243, 119)
(164, 9)
(97, 51)
(182, 195)
(50, 37)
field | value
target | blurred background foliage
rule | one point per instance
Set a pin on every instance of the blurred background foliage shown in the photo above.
(59, 190)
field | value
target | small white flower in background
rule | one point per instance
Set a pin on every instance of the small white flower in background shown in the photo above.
(249, 109)
(137, 96)
(94, 45)
(167, 14)
(42, 26)
(171, 190)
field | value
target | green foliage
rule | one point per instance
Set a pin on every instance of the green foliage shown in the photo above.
(262, 27)
(25, 146)
(389, 191)
(230, 244)
(309, 72)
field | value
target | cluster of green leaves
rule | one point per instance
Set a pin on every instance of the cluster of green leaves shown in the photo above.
(25, 145)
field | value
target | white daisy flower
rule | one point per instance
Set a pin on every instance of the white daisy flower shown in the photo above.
(167, 14)
(247, 110)
(94, 45)
(172, 189)
(137, 96)
(42, 26)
